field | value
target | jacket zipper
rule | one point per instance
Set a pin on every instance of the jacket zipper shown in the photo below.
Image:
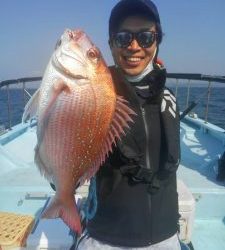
(147, 155)
(147, 139)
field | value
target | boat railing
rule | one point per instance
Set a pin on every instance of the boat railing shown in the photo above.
(24, 85)
(206, 82)
(178, 80)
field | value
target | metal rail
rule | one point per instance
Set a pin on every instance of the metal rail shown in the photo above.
(176, 76)
(20, 80)
(195, 77)
(199, 77)
(6, 85)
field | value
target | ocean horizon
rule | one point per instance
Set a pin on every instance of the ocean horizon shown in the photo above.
(196, 93)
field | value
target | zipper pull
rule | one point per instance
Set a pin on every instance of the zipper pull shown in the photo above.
(143, 111)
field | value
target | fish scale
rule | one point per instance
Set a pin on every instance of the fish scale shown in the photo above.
(65, 111)
(79, 118)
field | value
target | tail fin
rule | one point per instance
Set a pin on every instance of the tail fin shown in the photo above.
(66, 211)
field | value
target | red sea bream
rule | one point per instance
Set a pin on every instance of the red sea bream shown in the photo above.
(79, 117)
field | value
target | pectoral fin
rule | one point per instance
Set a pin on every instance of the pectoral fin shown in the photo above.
(57, 89)
(43, 121)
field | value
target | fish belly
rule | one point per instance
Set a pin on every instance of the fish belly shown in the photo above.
(74, 132)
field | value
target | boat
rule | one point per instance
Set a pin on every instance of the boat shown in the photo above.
(24, 193)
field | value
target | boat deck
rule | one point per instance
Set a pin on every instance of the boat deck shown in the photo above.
(214, 230)
(198, 170)
(24, 190)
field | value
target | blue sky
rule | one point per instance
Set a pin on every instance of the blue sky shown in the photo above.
(194, 30)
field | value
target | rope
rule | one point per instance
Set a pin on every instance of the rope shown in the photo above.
(90, 205)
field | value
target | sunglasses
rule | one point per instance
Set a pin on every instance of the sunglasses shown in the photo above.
(145, 39)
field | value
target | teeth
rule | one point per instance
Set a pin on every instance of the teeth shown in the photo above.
(133, 59)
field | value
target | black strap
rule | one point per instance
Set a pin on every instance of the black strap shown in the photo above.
(137, 172)
(154, 186)
(82, 237)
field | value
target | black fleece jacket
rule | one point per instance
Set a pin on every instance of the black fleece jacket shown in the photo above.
(133, 211)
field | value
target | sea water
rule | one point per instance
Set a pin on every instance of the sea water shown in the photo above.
(216, 108)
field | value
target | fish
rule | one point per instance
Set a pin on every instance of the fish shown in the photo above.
(79, 119)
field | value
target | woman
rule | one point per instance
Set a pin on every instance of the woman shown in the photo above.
(136, 187)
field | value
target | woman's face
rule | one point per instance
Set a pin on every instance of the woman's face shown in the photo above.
(133, 59)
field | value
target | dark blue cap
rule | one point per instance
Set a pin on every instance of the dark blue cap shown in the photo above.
(126, 8)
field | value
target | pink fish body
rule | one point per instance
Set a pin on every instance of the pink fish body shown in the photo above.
(79, 117)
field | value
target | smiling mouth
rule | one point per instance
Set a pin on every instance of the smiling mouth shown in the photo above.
(132, 60)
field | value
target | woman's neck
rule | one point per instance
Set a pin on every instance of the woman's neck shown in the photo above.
(147, 70)
(139, 77)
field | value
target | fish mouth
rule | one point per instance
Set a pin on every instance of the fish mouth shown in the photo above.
(63, 70)
(76, 34)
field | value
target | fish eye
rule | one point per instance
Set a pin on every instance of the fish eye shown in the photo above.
(93, 54)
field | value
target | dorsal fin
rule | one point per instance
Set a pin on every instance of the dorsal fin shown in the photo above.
(121, 118)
